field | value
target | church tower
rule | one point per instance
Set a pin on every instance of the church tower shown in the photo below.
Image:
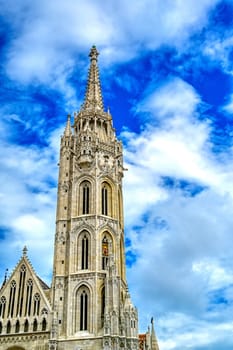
(88, 306)
(90, 299)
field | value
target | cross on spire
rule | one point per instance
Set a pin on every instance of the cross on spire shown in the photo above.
(93, 98)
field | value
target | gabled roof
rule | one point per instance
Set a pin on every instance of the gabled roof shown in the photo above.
(42, 283)
(39, 286)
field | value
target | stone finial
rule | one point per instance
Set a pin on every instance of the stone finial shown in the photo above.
(25, 250)
(93, 53)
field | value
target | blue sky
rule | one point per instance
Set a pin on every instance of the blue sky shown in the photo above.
(167, 76)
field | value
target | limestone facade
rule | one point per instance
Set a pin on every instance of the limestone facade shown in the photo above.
(88, 305)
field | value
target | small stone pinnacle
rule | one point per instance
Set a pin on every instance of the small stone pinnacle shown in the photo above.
(25, 251)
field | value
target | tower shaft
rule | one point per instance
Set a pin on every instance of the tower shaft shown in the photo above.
(90, 297)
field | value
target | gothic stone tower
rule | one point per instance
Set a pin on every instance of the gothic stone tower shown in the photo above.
(88, 306)
(90, 300)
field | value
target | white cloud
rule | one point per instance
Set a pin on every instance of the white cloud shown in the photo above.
(182, 241)
(228, 107)
(44, 44)
(219, 49)
(201, 335)
(217, 276)
(28, 201)
(179, 146)
(183, 249)
(175, 98)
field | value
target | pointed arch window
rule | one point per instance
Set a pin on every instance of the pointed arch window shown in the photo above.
(35, 325)
(21, 290)
(106, 199)
(44, 324)
(12, 299)
(83, 310)
(85, 190)
(17, 326)
(29, 297)
(8, 327)
(36, 304)
(26, 326)
(105, 253)
(83, 250)
(2, 306)
(104, 196)
(84, 264)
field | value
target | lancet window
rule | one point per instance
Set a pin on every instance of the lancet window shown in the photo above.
(26, 326)
(106, 197)
(8, 327)
(17, 326)
(29, 297)
(35, 325)
(21, 290)
(83, 310)
(84, 263)
(44, 324)
(85, 197)
(82, 307)
(105, 253)
(2, 306)
(12, 299)
(83, 250)
(36, 304)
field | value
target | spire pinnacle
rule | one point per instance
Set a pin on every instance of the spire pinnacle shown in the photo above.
(68, 131)
(25, 251)
(5, 278)
(93, 98)
(93, 53)
(154, 342)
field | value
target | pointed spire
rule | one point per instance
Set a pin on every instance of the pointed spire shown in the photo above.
(68, 131)
(128, 302)
(5, 278)
(93, 98)
(154, 342)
